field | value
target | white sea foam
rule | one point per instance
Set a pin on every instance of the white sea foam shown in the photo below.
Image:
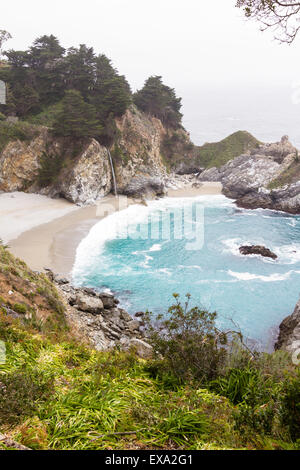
(288, 254)
(233, 245)
(123, 223)
(182, 266)
(166, 271)
(156, 247)
(272, 278)
(145, 264)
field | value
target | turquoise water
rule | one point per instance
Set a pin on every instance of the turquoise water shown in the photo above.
(145, 263)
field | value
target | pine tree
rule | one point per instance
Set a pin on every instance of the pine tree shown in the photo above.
(160, 101)
(77, 118)
(80, 69)
(111, 94)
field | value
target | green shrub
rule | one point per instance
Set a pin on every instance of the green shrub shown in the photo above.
(259, 419)
(16, 131)
(187, 344)
(20, 308)
(48, 116)
(21, 393)
(290, 406)
(50, 167)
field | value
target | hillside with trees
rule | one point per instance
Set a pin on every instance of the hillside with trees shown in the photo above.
(76, 91)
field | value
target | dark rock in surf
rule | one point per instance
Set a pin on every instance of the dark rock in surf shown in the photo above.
(257, 250)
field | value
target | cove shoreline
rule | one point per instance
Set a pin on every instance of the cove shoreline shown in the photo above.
(52, 244)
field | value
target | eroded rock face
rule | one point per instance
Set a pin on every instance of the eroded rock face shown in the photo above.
(289, 332)
(147, 187)
(19, 163)
(247, 178)
(138, 151)
(88, 179)
(86, 175)
(257, 250)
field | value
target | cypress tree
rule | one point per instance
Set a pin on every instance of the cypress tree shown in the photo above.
(77, 118)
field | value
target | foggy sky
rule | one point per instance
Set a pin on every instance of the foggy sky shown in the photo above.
(197, 46)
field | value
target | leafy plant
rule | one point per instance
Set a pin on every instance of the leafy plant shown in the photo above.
(21, 393)
(187, 343)
(290, 406)
(50, 167)
(20, 308)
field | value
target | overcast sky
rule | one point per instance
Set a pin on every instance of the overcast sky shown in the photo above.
(197, 46)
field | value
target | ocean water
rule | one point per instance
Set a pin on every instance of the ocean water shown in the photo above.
(190, 245)
(266, 111)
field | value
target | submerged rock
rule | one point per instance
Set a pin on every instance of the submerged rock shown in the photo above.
(257, 250)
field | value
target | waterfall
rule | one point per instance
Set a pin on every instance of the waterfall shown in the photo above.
(113, 173)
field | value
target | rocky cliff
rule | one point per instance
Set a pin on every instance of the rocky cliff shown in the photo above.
(289, 332)
(83, 172)
(50, 305)
(262, 177)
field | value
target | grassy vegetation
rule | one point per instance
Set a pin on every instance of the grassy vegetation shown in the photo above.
(290, 175)
(219, 153)
(56, 393)
(30, 295)
(16, 131)
(80, 399)
(65, 396)
(175, 146)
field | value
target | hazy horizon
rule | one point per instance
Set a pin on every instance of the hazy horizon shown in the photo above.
(230, 75)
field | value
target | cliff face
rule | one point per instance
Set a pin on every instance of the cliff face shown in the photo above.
(289, 332)
(85, 174)
(254, 179)
(83, 178)
(19, 162)
(138, 149)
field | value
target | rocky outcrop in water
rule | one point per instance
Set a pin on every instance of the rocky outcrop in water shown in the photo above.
(249, 177)
(99, 319)
(289, 332)
(257, 250)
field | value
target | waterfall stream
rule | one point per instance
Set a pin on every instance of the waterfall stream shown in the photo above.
(113, 173)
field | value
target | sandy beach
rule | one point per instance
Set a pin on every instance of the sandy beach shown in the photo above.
(45, 232)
